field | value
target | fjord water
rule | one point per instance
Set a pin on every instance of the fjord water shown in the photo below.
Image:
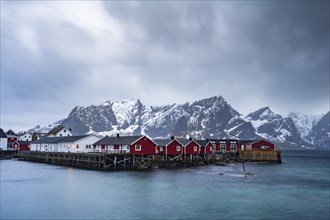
(298, 188)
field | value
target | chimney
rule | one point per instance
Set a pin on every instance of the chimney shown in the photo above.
(172, 137)
(190, 139)
(207, 140)
(118, 135)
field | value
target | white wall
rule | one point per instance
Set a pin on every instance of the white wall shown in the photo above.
(3, 143)
(89, 140)
(64, 132)
(69, 146)
(82, 143)
(25, 137)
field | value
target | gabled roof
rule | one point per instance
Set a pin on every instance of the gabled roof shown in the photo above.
(46, 140)
(165, 142)
(55, 140)
(22, 142)
(183, 141)
(70, 139)
(2, 134)
(253, 141)
(202, 143)
(247, 141)
(162, 142)
(55, 130)
(121, 140)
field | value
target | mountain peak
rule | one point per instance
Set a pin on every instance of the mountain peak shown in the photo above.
(261, 113)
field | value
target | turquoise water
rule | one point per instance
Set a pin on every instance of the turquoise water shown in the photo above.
(296, 189)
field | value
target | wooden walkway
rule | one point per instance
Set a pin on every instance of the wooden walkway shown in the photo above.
(104, 161)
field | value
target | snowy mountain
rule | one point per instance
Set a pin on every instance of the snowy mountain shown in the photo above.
(320, 133)
(274, 127)
(304, 123)
(207, 118)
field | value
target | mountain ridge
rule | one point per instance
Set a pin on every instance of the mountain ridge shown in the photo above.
(211, 117)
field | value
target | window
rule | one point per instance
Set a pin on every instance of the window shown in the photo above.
(138, 147)
(233, 147)
(211, 148)
(125, 147)
(77, 146)
(64, 131)
(60, 135)
(178, 148)
(195, 148)
(160, 148)
(223, 147)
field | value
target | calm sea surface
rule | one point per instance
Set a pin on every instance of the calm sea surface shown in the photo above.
(299, 188)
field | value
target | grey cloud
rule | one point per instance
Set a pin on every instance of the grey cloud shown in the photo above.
(275, 53)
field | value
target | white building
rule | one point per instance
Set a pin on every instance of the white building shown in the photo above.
(74, 144)
(25, 137)
(59, 131)
(3, 140)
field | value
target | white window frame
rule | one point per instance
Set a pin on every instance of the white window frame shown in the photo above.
(233, 147)
(178, 148)
(160, 148)
(195, 148)
(138, 147)
(223, 147)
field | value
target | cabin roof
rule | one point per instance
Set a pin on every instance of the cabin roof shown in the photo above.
(202, 143)
(127, 140)
(64, 139)
(55, 130)
(2, 134)
(162, 142)
(247, 141)
(183, 141)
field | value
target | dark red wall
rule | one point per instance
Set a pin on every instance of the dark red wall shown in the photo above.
(171, 148)
(190, 148)
(257, 146)
(207, 149)
(147, 147)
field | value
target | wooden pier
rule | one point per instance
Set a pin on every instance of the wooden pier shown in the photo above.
(103, 161)
(260, 156)
(120, 161)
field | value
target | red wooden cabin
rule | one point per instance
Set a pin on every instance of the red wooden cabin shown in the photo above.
(169, 147)
(206, 147)
(20, 145)
(192, 148)
(138, 145)
(225, 145)
(262, 145)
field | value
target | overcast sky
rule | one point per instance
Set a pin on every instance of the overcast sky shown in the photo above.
(57, 55)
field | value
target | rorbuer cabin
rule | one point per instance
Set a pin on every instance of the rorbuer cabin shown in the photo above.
(169, 147)
(21, 145)
(261, 145)
(225, 145)
(191, 147)
(206, 147)
(137, 145)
